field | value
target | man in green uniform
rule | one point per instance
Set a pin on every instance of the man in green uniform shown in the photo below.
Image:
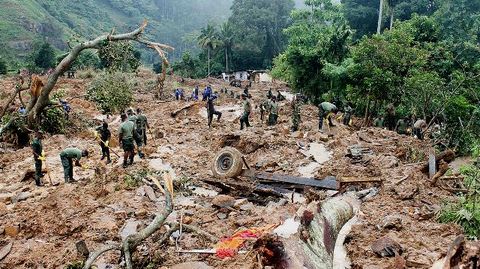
(125, 138)
(325, 110)
(136, 137)
(295, 114)
(37, 150)
(390, 117)
(142, 125)
(273, 116)
(105, 135)
(378, 122)
(402, 126)
(264, 107)
(246, 112)
(348, 114)
(67, 157)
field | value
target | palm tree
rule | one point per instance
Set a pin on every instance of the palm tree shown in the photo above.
(390, 4)
(226, 37)
(208, 40)
(380, 16)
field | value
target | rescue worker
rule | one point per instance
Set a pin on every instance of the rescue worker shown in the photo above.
(37, 150)
(401, 127)
(348, 114)
(136, 137)
(378, 122)
(264, 107)
(105, 135)
(125, 138)
(419, 128)
(269, 94)
(67, 156)
(273, 115)
(142, 126)
(325, 109)
(296, 107)
(246, 112)
(390, 117)
(211, 109)
(207, 93)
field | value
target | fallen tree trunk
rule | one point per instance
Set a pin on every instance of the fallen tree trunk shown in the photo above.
(314, 243)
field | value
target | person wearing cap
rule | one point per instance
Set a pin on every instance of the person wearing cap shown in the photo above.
(247, 108)
(67, 156)
(325, 110)
(37, 150)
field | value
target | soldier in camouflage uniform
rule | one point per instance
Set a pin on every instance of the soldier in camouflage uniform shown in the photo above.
(273, 115)
(142, 125)
(296, 106)
(37, 150)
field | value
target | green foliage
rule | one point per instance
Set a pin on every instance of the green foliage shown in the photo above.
(112, 92)
(259, 28)
(86, 59)
(466, 212)
(119, 56)
(54, 121)
(134, 179)
(3, 67)
(313, 62)
(42, 57)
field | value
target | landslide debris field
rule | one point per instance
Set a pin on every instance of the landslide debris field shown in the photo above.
(108, 202)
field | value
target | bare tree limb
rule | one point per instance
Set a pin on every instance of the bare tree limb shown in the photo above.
(36, 106)
(93, 256)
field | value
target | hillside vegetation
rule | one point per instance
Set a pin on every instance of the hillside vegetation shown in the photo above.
(174, 22)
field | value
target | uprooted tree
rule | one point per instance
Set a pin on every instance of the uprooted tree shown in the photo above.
(40, 92)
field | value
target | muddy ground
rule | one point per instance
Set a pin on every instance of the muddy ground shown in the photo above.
(45, 223)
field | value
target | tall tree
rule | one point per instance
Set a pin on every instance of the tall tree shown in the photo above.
(208, 39)
(226, 36)
(259, 28)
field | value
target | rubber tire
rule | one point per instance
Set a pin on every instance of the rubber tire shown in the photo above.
(234, 169)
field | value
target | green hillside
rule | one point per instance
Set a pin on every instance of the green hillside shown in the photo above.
(171, 21)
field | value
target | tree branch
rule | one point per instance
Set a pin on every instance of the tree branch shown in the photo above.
(93, 256)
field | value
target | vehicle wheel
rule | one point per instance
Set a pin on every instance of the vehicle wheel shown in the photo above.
(227, 163)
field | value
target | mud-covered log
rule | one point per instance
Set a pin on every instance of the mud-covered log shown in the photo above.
(314, 246)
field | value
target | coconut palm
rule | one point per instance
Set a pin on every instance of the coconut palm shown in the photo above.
(226, 37)
(208, 39)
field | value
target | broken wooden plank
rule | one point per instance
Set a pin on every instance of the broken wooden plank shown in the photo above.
(359, 179)
(230, 185)
(329, 183)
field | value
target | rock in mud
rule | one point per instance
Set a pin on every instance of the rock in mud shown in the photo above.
(150, 193)
(223, 201)
(386, 247)
(21, 197)
(12, 230)
(394, 221)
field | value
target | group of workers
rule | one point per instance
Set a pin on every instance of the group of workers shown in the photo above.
(405, 126)
(132, 134)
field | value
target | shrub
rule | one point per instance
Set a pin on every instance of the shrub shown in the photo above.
(54, 121)
(112, 92)
(466, 212)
